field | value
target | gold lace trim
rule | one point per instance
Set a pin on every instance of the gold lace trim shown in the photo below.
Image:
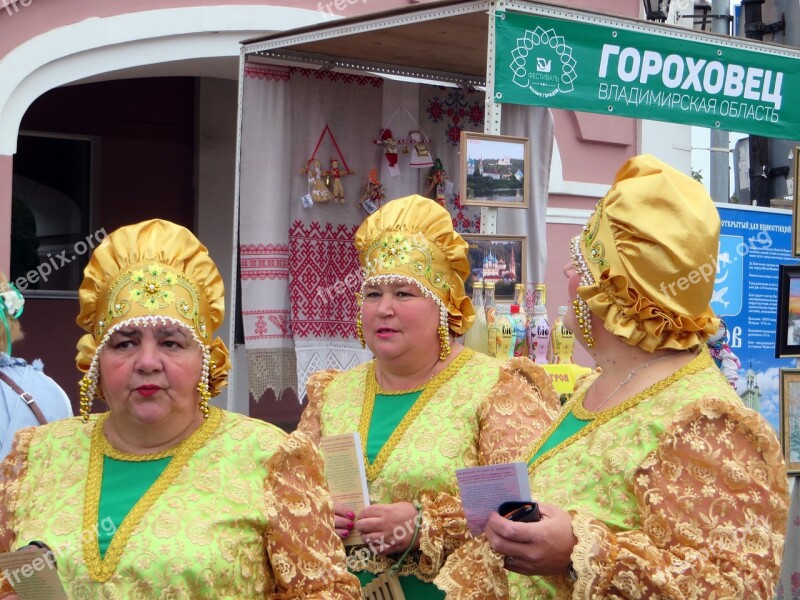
(101, 569)
(575, 405)
(382, 392)
(430, 389)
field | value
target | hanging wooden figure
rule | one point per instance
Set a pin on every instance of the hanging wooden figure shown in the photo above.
(336, 175)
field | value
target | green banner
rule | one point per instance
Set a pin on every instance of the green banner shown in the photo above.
(670, 76)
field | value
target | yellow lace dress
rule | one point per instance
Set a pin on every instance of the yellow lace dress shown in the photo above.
(477, 411)
(239, 512)
(679, 492)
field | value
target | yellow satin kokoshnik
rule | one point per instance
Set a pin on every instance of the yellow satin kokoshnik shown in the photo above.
(413, 237)
(650, 249)
(147, 273)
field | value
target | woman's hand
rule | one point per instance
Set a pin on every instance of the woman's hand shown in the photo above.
(388, 528)
(540, 548)
(343, 522)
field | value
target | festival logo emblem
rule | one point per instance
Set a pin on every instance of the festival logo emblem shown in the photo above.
(543, 63)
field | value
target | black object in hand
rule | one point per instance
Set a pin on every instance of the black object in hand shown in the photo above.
(521, 511)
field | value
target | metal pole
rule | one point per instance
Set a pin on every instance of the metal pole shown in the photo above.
(720, 177)
(759, 150)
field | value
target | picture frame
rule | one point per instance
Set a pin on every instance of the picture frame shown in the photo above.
(498, 258)
(494, 169)
(796, 204)
(790, 419)
(787, 336)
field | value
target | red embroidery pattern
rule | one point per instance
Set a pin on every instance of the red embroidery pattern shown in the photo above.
(259, 261)
(268, 72)
(267, 324)
(466, 219)
(335, 76)
(325, 276)
(455, 106)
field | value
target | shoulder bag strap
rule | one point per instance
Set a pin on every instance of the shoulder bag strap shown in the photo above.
(26, 398)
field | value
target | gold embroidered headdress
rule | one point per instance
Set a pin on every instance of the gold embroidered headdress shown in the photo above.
(154, 272)
(647, 259)
(412, 239)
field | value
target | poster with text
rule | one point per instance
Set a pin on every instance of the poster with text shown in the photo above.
(753, 243)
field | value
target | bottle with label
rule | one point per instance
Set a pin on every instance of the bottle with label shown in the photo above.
(540, 328)
(477, 335)
(489, 309)
(520, 331)
(563, 339)
(524, 315)
(504, 331)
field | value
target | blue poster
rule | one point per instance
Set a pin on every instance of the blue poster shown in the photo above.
(753, 243)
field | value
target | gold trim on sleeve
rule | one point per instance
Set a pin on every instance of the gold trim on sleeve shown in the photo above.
(101, 569)
(371, 387)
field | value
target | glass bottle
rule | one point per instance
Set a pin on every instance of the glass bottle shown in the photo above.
(540, 328)
(563, 339)
(504, 328)
(520, 318)
(477, 335)
(490, 308)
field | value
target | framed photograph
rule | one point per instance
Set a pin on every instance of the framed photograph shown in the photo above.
(494, 169)
(788, 334)
(790, 419)
(496, 258)
(796, 204)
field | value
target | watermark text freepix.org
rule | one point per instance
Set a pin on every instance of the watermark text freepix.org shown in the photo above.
(54, 263)
(708, 270)
(12, 7)
(334, 5)
(48, 559)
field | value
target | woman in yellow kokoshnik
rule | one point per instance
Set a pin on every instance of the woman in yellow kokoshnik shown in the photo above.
(655, 481)
(425, 406)
(165, 496)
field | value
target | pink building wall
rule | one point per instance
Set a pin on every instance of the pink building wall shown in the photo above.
(591, 148)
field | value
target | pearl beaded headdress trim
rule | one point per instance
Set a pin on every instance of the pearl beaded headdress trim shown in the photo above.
(443, 332)
(582, 312)
(88, 384)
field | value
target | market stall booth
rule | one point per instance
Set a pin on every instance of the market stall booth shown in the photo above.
(336, 119)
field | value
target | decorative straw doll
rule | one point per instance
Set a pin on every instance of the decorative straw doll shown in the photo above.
(316, 186)
(336, 173)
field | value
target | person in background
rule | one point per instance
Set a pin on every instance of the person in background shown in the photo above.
(655, 481)
(164, 495)
(722, 354)
(426, 405)
(16, 409)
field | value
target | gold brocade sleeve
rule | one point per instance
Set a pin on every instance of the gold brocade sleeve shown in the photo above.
(315, 389)
(520, 407)
(306, 555)
(12, 471)
(474, 572)
(713, 501)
